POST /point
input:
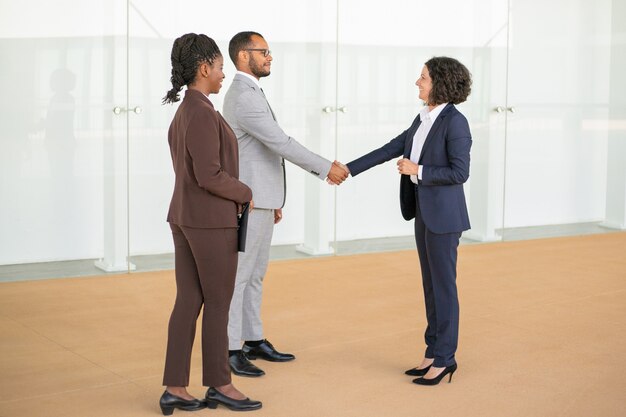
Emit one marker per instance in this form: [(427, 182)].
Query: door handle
[(120, 110)]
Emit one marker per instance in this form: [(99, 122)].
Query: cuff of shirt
[(419, 172)]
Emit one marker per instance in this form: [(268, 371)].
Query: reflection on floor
[(86, 267)]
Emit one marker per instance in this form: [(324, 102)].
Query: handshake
[(337, 174)]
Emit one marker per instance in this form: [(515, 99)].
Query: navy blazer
[(445, 159)]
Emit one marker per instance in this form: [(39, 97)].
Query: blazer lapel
[(408, 144), (434, 129), (268, 103), (256, 88)]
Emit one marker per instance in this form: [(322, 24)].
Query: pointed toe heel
[(450, 380), (449, 370), (417, 372), (211, 404)]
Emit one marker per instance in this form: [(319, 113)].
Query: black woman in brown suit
[(203, 218)]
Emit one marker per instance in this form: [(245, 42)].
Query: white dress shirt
[(427, 120), (245, 74)]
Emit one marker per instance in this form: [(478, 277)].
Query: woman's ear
[(205, 69)]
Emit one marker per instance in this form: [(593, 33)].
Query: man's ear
[(242, 57)]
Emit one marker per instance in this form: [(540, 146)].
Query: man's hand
[(278, 215), (407, 167), (338, 173)]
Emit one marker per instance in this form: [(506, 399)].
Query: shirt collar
[(432, 115), (245, 74)]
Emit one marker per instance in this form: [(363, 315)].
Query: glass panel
[(615, 217), (63, 164), (302, 40), (559, 89), (152, 28), (377, 74)]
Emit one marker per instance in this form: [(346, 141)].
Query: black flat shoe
[(434, 381), (214, 398), (240, 365), (169, 402), (417, 372), (266, 351)]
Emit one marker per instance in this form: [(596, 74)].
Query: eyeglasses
[(265, 52)]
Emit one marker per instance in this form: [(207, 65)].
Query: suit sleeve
[(254, 120), (458, 143), (392, 149), (203, 145)]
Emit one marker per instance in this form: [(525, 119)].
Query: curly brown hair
[(452, 81)]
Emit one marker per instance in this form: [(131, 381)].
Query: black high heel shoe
[(213, 398), (169, 402), (434, 381), (417, 372)]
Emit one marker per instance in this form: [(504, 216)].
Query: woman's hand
[(251, 205), (406, 167)]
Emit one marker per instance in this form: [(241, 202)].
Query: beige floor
[(543, 333)]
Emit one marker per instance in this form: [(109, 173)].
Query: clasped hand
[(337, 174)]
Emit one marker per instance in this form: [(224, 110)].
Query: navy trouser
[(438, 255)]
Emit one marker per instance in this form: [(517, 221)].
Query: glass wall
[(558, 106), (377, 75), (64, 156), (86, 172)]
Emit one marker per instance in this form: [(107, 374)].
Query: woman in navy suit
[(435, 163)]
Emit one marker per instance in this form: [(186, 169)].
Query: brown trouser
[(206, 265)]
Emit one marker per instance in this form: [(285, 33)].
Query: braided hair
[(188, 52)]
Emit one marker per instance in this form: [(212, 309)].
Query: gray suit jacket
[(263, 145)]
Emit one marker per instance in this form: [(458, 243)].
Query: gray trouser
[(244, 322)]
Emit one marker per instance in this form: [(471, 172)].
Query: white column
[(115, 154), (115, 204), (318, 215), (487, 168), (319, 197), (615, 215), (486, 196)]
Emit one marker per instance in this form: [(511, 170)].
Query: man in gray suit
[(263, 147)]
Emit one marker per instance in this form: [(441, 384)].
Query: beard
[(258, 70)]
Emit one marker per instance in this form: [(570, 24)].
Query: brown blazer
[(206, 162)]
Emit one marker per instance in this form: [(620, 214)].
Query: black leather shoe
[(240, 365), (266, 351), (169, 402), (213, 398), (417, 372)]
